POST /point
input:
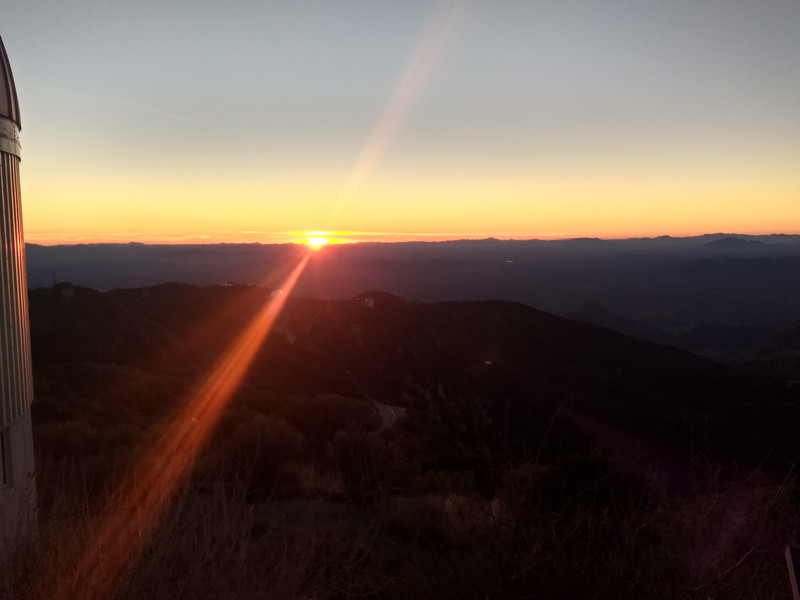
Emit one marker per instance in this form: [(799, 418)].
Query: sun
[(316, 242)]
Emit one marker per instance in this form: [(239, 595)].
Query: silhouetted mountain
[(734, 244), (705, 339), (714, 293), (468, 365), (778, 357), (597, 315)]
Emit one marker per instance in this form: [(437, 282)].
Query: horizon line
[(352, 237)]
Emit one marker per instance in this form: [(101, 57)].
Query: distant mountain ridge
[(732, 291), (735, 243)]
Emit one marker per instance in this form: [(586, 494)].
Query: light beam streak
[(436, 32), (133, 510)]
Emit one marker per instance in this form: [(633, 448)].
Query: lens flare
[(135, 507), (437, 31)]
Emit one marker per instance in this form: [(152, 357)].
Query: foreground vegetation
[(314, 499)]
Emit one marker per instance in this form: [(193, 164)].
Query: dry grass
[(270, 513), (209, 544)]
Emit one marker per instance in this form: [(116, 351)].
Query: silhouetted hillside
[(734, 244), (709, 294), (779, 357), (509, 361), (597, 315)]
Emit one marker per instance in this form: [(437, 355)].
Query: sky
[(183, 121)]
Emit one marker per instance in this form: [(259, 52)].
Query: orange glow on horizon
[(396, 210), (550, 230)]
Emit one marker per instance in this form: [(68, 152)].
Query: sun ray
[(435, 34), (135, 507)]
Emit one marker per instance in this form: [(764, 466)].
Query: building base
[(18, 520)]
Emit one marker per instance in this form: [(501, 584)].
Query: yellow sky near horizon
[(392, 210)]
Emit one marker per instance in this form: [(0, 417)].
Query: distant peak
[(733, 242)]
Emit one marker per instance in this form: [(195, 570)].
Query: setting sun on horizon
[(316, 241)]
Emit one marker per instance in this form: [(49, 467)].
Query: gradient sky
[(186, 121)]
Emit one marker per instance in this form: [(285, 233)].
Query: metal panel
[(16, 389), (18, 494), (16, 381)]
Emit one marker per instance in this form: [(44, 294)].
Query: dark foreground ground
[(383, 448)]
